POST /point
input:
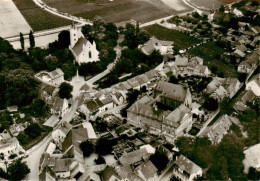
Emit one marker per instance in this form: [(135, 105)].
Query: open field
[(38, 18), (120, 10), (11, 20), (180, 39), (208, 51), (208, 4)]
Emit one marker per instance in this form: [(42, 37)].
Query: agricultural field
[(119, 10), (208, 53), (11, 20), (38, 18), (180, 39), (208, 4)]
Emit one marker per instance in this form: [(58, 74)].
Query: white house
[(186, 170), (55, 78), (252, 158), (60, 134), (164, 47), (10, 146), (60, 107), (254, 85), (83, 50)]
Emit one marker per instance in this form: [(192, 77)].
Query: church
[(83, 50)]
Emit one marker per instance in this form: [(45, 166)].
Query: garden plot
[(11, 20)]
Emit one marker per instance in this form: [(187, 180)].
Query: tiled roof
[(62, 165), (56, 73), (172, 91), (134, 156), (147, 169), (75, 137), (149, 47), (187, 165), (177, 115), (108, 173), (78, 47)]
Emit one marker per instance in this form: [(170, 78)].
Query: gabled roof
[(56, 73), (58, 103), (149, 46), (177, 115), (65, 127), (197, 59), (172, 91), (181, 61), (108, 173), (256, 79), (134, 156), (147, 169), (62, 165), (187, 165), (74, 138), (47, 170), (249, 96), (78, 47)]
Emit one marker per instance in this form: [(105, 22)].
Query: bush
[(12, 156), (87, 148), (100, 160), (210, 104)]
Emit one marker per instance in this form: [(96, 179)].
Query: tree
[(222, 8), (210, 104), (38, 108), (69, 70), (160, 160), (132, 96), (104, 146), (87, 148), (18, 170), (64, 39), (173, 80), (100, 160), (65, 90), (22, 40), (31, 39), (253, 174), (33, 130)]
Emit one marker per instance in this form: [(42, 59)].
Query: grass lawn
[(208, 51), (180, 39), (38, 18)]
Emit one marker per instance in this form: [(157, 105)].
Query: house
[(135, 157), (181, 61), (59, 134), (54, 78), (173, 95), (60, 107), (68, 168), (109, 174), (52, 121), (214, 84), (15, 129), (98, 105), (217, 131), (186, 170), (10, 146), (47, 175), (12, 108), (177, 123), (47, 92), (145, 114), (164, 47), (254, 85), (147, 171), (89, 176), (50, 148), (239, 53), (196, 67), (83, 50), (5, 135), (248, 97), (71, 144), (252, 158), (90, 131), (250, 64)]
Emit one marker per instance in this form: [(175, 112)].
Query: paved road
[(33, 160), (63, 15)]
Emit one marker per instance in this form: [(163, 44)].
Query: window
[(89, 54)]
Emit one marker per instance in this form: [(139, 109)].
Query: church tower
[(73, 35)]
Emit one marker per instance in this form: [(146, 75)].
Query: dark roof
[(78, 47), (75, 137), (43, 176), (108, 173)]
